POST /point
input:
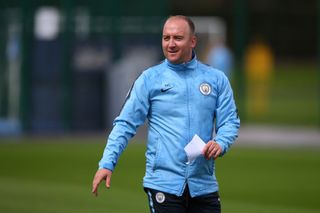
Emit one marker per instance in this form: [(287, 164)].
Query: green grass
[(294, 98), (41, 175), (269, 180)]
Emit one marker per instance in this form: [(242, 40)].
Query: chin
[(174, 60)]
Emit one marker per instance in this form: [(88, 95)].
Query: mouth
[(172, 51)]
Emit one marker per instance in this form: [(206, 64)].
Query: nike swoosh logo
[(165, 89)]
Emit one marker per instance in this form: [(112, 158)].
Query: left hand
[(211, 150)]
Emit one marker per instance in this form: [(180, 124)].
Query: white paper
[(194, 148)]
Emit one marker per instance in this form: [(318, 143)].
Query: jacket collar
[(190, 65)]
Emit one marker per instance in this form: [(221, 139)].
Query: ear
[(193, 41)]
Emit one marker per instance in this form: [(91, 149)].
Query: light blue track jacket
[(179, 101)]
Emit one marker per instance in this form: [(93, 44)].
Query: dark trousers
[(160, 202)]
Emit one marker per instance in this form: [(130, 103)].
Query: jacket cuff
[(108, 166)]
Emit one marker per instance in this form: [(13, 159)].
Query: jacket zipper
[(189, 126)]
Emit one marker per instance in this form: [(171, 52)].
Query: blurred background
[(66, 67)]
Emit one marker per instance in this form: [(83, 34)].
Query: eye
[(178, 38), (166, 38)]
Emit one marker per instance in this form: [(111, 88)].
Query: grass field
[(294, 97), (54, 175)]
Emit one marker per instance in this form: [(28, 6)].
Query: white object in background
[(47, 23), (194, 148)]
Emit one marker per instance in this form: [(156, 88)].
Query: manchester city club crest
[(205, 88), (160, 197)]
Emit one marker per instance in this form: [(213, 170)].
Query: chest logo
[(205, 88), (166, 87)]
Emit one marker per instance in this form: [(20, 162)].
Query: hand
[(212, 150), (101, 174)]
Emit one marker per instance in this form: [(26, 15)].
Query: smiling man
[(178, 40), (180, 97)]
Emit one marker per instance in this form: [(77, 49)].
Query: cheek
[(164, 44), (163, 48)]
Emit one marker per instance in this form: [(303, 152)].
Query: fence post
[(67, 38), (27, 30), (240, 22)]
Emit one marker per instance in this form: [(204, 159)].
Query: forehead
[(176, 26)]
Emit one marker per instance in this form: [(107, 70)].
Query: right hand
[(101, 174)]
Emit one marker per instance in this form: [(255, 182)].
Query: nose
[(172, 43)]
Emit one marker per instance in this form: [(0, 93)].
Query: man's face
[(177, 41)]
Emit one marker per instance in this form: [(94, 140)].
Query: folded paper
[(194, 148)]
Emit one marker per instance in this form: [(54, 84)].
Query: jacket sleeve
[(227, 120), (132, 115)]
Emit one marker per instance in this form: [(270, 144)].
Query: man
[(180, 97)]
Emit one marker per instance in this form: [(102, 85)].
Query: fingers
[(95, 191), (99, 176), (95, 184), (216, 152), (108, 181), (212, 150)]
